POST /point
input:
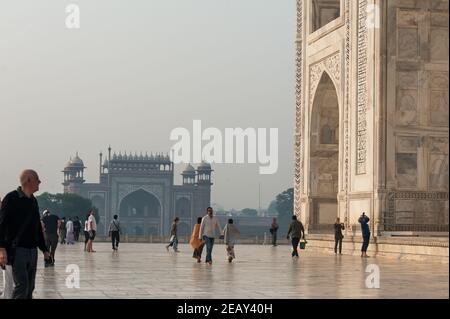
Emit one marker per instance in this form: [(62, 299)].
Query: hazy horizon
[(135, 71)]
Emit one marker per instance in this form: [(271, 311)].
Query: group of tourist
[(59, 230), (204, 234), (205, 231), (68, 231), (338, 236), (296, 232), (22, 232)]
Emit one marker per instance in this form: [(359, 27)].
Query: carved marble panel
[(407, 4), (324, 175), (327, 213), (361, 87), (439, 44), (438, 145), (438, 163), (408, 44), (406, 169), (332, 65), (439, 108), (439, 80), (407, 107), (407, 18), (439, 5), (439, 19), (420, 208), (407, 79), (406, 161), (407, 144), (421, 212), (438, 172)]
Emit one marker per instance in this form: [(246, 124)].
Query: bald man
[(20, 235)]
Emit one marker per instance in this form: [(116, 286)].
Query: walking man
[(296, 232), (76, 228), (173, 235), (208, 227), (364, 221), (51, 224), (62, 230), (338, 236), (114, 232), (20, 235), (273, 231)]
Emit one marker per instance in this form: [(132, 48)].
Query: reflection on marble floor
[(149, 271)]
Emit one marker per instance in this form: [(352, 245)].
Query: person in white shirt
[(207, 233), (69, 231), (92, 229)]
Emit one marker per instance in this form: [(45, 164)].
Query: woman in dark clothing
[(338, 228)]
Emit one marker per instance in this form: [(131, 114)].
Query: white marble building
[(372, 114)]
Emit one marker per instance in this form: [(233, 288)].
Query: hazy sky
[(134, 71)]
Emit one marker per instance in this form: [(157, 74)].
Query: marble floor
[(149, 271)]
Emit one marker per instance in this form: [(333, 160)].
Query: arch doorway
[(140, 204), (324, 155)]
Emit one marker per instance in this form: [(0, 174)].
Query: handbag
[(303, 244)]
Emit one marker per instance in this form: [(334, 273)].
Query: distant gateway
[(140, 189)]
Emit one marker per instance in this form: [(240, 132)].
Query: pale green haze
[(134, 71)]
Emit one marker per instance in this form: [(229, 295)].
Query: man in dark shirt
[(76, 228), (20, 234), (51, 223), (338, 236), (273, 231), (296, 231), (62, 230)]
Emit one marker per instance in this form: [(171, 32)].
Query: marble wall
[(390, 131), (418, 65)]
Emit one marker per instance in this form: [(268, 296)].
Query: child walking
[(231, 234)]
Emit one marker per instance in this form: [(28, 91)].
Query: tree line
[(71, 205)]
